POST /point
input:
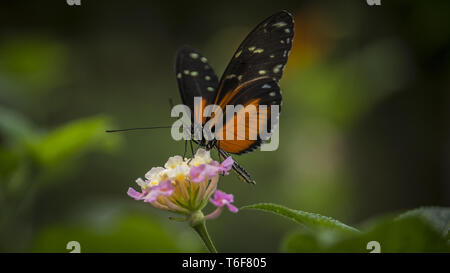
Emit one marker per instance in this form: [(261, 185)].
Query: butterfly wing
[(251, 78), (261, 91), (264, 52), (195, 78)]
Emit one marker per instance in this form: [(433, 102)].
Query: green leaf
[(306, 241), (410, 232), (72, 139), (14, 127), (308, 219), (437, 217)]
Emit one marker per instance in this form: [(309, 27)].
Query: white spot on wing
[(179, 75), (193, 55), (262, 72), (277, 68), (266, 86), (280, 24), (210, 89), (194, 73), (203, 59)]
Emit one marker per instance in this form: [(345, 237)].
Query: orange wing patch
[(241, 132)]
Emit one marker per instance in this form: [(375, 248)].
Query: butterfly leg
[(192, 148), (218, 151), (196, 149), (241, 173), (185, 149)]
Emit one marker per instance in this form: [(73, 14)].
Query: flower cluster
[(185, 185)]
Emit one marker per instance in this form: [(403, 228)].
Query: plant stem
[(201, 230), (197, 222)]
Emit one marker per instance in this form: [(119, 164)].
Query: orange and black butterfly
[(251, 77)]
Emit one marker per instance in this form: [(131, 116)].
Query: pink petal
[(134, 194), (196, 173), (228, 198), (152, 196), (166, 187), (163, 189), (232, 208), (223, 199), (226, 165), (216, 202), (200, 173), (211, 170)]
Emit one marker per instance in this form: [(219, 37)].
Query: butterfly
[(251, 77)]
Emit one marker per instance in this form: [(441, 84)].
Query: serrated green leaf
[(308, 219)]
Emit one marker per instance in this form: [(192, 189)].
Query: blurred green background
[(364, 129)]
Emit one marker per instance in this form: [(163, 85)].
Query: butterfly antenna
[(136, 129)]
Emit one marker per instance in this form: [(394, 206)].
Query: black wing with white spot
[(195, 77), (265, 90), (263, 53)]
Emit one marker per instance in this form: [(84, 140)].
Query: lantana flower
[(185, 186)]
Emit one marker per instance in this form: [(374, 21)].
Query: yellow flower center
[(180, 177)]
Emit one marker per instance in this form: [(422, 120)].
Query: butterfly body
[(250, 79)]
